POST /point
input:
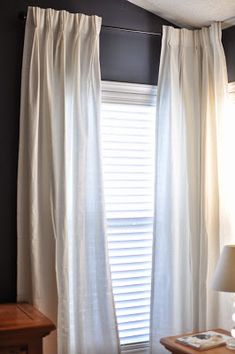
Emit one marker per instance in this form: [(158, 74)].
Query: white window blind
[(128, 145)]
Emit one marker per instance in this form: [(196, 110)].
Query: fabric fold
[(190, 107), (63, 266)]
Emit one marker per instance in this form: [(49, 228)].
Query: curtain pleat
[(62, 249)]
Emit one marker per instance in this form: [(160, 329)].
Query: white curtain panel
[(62, 248), (191, 97)]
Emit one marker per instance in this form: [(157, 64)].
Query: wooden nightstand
[(22, 329), (176, 348)]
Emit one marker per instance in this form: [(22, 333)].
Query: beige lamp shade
[(224, 277)]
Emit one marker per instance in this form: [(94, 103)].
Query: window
[(128, 145)]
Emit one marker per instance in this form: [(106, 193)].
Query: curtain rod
[(22, 17), (131, 30)]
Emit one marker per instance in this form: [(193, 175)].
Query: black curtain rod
[(132, 30), (22, 16)]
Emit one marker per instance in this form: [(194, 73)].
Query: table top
[(170, 344), (23, 317)]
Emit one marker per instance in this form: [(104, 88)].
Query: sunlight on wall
[(227, 198), (227, 172)]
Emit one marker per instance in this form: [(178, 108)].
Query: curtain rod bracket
[(22, 16)]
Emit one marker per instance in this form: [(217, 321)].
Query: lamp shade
[(224, 277)]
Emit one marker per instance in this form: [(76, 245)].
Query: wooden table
[(176, 348), (22, 329)]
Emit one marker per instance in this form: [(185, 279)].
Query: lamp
[(224, 280)]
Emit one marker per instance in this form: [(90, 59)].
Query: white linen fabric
[(191, 97), (62, 252)]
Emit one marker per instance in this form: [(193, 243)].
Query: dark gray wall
[(229, 48), (124, 57)]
